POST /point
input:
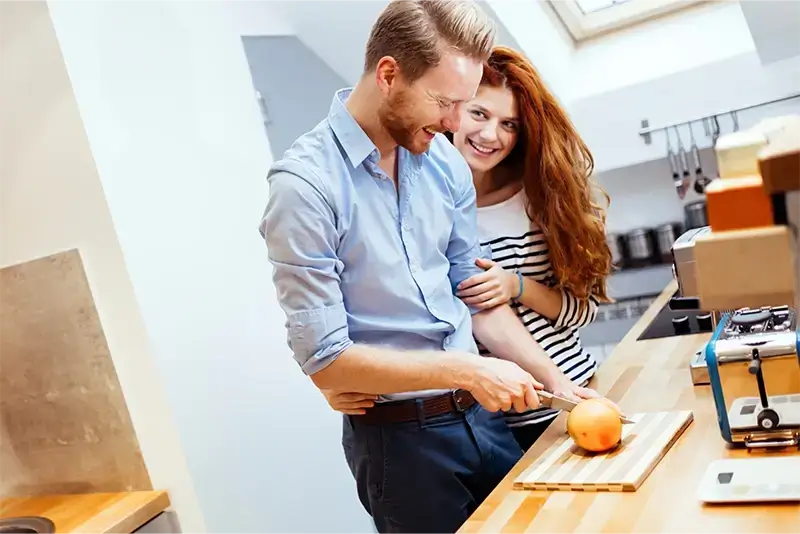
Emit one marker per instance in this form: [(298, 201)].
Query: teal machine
[(753, 361)]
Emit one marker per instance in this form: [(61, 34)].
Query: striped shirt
[(518, 245)]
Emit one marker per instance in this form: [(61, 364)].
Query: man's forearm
[(379, 371), (501, 331)]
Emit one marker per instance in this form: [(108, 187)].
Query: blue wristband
[(521, 287)]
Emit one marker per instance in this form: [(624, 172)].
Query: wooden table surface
[(90, 512), (640, 376)]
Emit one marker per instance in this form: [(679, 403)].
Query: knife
[(560, 403)]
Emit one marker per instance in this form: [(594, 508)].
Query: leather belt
[(404, 411)]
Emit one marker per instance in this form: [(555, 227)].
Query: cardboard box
[(738, 203), (753, 267)]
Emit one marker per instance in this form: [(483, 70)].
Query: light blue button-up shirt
[(357, 260)]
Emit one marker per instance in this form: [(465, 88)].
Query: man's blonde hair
[(416, 33)]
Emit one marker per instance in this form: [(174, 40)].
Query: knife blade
[(560, 403)]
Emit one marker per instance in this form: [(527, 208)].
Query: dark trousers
[(428, 476), (527, 435)]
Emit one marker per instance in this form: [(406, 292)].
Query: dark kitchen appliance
[(666, 235), (678, 322), (640, 247), (681, 315), (695, 214)]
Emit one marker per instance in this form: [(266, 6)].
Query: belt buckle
[(459, 400)]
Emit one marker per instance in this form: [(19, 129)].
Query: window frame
[(582, 26)]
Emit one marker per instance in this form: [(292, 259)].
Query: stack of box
[(750, 256)]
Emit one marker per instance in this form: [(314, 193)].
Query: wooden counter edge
[(505, 488), (91, 512), (129, 514)]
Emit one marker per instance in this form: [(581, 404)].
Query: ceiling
[(775, 28)]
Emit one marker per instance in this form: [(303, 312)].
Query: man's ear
[(386, 73)]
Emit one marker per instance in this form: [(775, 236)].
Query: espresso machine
[(743, 268), (687, 299)]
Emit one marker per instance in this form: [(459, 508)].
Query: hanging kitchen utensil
[(700, 180), (684, 182), (715, 131), (673, 166)]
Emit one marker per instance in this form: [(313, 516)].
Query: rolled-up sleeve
[(575, 312), (299, 229), (464, 247)]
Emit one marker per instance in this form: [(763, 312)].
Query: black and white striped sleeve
[(575, 312)]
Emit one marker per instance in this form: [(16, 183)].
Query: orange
[(594, 425)]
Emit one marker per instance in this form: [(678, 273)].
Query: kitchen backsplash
[(64, 423)]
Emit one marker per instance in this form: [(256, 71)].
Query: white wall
[(775, 27), (51, 200), (258, 17), (610, 122), (336, 30), (658, 48), (167, 100), (542, 38), (692, 65)]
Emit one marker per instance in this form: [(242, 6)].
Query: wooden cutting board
[(565, 466)]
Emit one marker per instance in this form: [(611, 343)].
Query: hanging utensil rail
[(646, 129)]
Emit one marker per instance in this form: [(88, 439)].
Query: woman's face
[(489, 127)]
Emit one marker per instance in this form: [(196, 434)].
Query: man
[(370, 226)]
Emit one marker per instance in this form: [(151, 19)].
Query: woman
[(550, 259), (536, 211)]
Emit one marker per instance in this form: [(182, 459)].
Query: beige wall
[(51, 200)]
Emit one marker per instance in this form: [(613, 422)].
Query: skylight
[(585, 19), (590, 6)]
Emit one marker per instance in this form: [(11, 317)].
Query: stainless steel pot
[(640, 247), (695, 213), (617, 250), (666, 235)]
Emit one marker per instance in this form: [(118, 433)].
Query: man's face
[(414, 113)]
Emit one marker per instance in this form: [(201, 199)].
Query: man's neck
[(363, 104)]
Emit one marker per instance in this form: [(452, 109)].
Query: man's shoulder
[(446, 159), (311, 157)]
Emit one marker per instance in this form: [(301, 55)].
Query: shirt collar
[(357, 145)]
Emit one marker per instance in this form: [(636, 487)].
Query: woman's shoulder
[(510, 213), (508, 223)]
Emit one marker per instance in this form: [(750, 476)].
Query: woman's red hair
[(556, 167)]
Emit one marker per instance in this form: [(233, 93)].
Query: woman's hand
[(349, 403), (489, 289)]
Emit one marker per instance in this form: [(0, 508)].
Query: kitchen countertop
[(90, 512), (641, 376)]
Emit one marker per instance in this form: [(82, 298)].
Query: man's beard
[(394, 114)]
